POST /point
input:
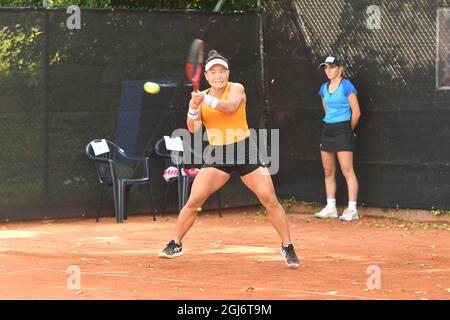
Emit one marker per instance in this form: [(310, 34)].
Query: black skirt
[(242, 156), (337, 137)]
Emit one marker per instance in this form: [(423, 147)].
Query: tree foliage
[(206, 5)]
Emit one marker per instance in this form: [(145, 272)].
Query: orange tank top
[(223, 128)]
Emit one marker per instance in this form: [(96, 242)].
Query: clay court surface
[(236, 257)]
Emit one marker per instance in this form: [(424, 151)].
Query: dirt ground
[(234, 257)]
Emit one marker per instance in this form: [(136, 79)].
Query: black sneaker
[(172, 250), (290, 256)]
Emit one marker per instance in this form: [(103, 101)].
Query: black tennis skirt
[(337, 137), (242, 156)]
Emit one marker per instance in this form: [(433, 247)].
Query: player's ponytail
[(213, 54)]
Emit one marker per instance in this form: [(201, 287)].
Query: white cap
[(216, 61)]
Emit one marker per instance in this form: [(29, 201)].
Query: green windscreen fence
[(60, 88)]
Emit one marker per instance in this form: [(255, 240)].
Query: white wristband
[(192, 111), (211, 101), (192, 114)]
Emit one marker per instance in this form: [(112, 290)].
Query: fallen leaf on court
[(403, 290), (332, 292), (429, 273), (307, 220), (176, 288), (365, 290), (355, 282), (105, 261), (422, 265), (336, 258), (420, 292), (201, 289), (139, 264), (250, 289), (448, 289), (80, 292)]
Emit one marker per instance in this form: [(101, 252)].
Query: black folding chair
[(184, 182)]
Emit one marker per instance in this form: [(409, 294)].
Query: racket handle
[(195, 85)]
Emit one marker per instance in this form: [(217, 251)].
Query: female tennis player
[(342, 114), (222, 109)]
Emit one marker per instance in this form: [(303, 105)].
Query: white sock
[(352, 205), (331, 203)]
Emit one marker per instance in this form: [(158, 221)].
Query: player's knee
[(347, 172), (329, 172), (269, 201), (194, 202)]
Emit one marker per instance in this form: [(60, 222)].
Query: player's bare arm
[(235, 98)]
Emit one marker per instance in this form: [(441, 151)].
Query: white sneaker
[(349, 215), (326, 212)]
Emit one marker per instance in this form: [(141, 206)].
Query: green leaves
[(206, 5)]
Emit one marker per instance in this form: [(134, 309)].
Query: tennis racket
[(194, 62)]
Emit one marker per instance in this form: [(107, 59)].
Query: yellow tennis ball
[(151, 87)]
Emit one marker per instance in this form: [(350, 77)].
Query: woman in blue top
[(342, 114)]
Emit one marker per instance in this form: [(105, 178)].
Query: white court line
[(199, 282)]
